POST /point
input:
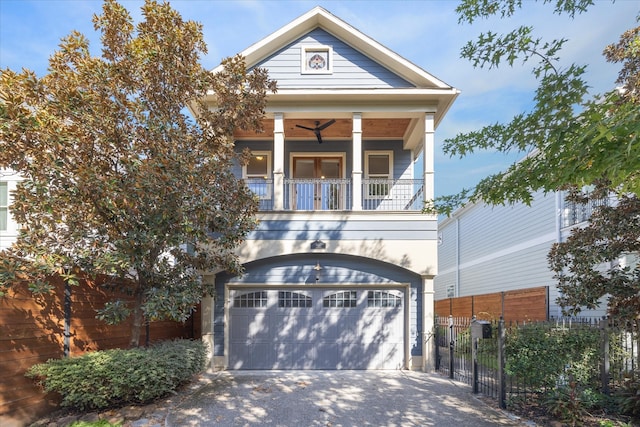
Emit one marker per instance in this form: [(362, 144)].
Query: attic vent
[(316, 60)]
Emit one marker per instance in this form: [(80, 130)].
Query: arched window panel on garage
[(251, 300), (293, 299), (342, 299), (383, 299)]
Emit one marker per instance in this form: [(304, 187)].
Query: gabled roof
[(319, 17)]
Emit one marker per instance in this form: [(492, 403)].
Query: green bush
[(115, 377), (546, 356)]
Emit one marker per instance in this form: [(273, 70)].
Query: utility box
[(480, 329)]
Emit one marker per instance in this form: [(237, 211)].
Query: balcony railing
[(337, 194), (392, 195), (317, 194), (575, 213)]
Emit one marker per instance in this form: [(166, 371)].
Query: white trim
[(319, 154), (267, 175), (306, 49), (367, 174)]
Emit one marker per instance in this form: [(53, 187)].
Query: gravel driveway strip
[(333, 398)]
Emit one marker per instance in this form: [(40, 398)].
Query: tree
[(562, 147), (571, 141), (119, 179), (588, 264)]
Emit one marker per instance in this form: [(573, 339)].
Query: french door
[(317, 183)]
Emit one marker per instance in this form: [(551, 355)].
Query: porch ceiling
[(395, 128)]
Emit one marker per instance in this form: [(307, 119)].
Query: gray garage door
[(316, 329)]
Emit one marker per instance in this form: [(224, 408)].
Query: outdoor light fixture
[(317, 268), (318, 244)]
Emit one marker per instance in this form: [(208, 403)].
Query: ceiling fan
[(318, 128)]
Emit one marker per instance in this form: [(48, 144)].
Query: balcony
[(338, 195), (576, 213)]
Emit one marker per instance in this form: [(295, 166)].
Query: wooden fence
[(35, 329), (515, 306)]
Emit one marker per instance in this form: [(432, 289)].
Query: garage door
[(316, 329)]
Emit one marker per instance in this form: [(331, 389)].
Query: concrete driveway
[(333, 398)]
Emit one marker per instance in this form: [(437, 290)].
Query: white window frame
[(4, 206), (368, 175), (305, 50), (245, 175)]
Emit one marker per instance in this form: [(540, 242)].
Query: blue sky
[(426, 33)]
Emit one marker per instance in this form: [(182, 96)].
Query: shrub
[(115, 377), (547, 356), (629, 397)]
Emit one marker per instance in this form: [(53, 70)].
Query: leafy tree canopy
[(119, 180), (569, 138), (601, 260)]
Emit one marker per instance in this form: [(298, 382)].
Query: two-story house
[(339, 274)]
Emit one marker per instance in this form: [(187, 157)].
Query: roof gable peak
[(318, 17)]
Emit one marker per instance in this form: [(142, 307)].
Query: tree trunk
[(138, 319)]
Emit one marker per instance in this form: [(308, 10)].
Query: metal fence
[(489, 365)]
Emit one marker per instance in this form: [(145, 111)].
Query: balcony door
[(317, 183)]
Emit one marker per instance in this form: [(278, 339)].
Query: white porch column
[(356, 175), (278, 162), (428, 157), (428, 324), (206, 320)]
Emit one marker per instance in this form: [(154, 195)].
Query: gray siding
[(517, 270), (306, 230), (497, 248), (351, 69), (298, 270), (485, 229), (402, 160), (500, 249)]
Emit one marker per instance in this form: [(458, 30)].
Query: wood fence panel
[(526, 304), (515, 306), (487, 306), (443, 307), (32, 331), (462, 307)]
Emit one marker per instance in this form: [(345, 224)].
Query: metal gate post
[(605, 366), (474, 357), (502, 377), (451, 344)]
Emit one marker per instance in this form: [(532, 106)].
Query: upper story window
[(378, 169), (257, 173), (316, 60), (4, 205)]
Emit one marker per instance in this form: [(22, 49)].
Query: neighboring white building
[(485, 249)]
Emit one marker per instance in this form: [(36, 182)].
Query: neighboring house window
[(4, 205), (343, 299), (251, 299), (383, 299), (316, 60), (378, 166), (293, 299), (257, 174), (451, 291)]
